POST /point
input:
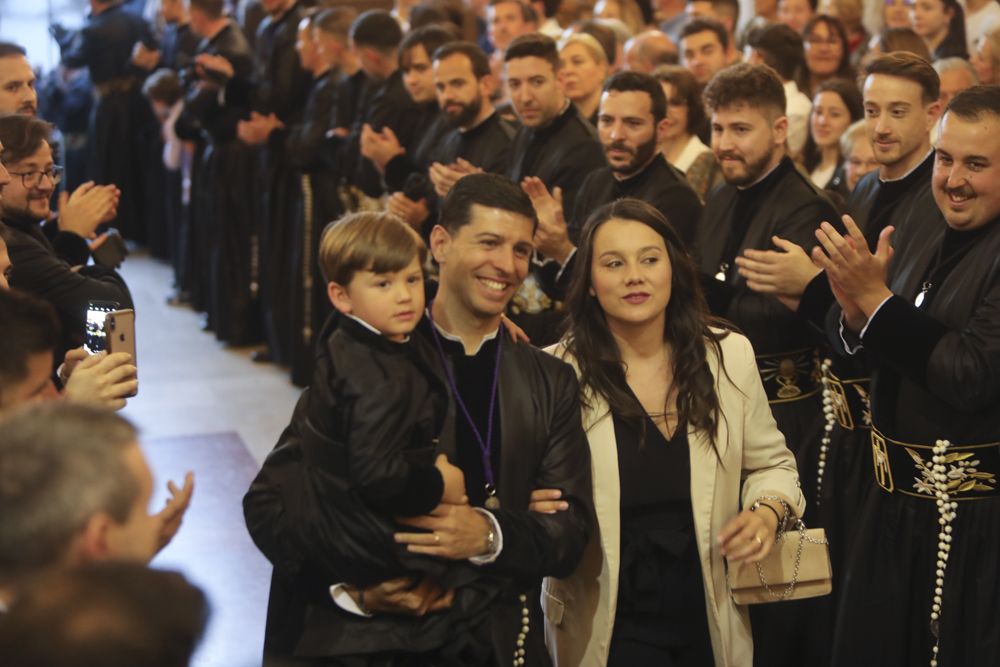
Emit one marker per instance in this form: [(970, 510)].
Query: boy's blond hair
[(367, 241)]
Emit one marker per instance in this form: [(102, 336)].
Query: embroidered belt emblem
[(841, 408), (880, 457)]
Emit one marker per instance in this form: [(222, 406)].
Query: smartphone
[(119, 327), (95, 339)]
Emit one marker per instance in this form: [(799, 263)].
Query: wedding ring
[(437, 539), (759, 541)]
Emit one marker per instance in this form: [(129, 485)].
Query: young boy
[(367, 426)]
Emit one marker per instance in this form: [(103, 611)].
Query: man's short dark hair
[(701, 24), (111, 614), (21, 136), (29, 327), (60, 465), (687, 90), (975, 102), (163, 86), (604, 35), (213, 9), (479, 60), (335, 21), (534, 44), (756, 86), (781, 47), (431, 37), (730, 8), (8, 49), (377, 29), (907, 66), (488, 190), (642, 83), (528, 13)]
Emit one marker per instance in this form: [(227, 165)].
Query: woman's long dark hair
[(849, 94), (687, 329)]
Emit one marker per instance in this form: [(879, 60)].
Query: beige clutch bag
[(798, 567)]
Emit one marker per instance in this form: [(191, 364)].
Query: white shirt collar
[(456, 339), (371, 328)]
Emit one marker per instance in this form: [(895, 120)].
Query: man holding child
[(466, 571)]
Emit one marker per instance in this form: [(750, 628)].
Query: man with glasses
[(53, 269)]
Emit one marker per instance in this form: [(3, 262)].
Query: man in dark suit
[(483, 246)]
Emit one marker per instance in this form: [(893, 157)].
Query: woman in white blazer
[(681, 438)]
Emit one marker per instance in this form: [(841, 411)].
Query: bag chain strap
[(790, 589)]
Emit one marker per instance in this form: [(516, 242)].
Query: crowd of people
[(591, 304)]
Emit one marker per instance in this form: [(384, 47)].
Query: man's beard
[(640, 156), (467, 114), (10, 211), (754, 170)]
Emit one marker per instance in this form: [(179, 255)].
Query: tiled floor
[(189, 383)]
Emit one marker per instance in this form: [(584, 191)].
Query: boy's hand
[(454, 482)]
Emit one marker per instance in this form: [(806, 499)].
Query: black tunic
[(875, 204), (486, 146), (121, 119), (279, 86), (660, 615), (391, 106), (785, 203), (935, 377), (45, 271), (658, 184), (320, 205), (561, 154), (224, 209)]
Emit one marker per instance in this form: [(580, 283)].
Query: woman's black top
[(661, 617)]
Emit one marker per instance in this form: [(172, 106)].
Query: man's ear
[(662, 127), (780, 129), (487, 85), (440, 241), (933, 114), (91, 544), (339, 297)]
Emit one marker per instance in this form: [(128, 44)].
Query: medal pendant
[(492, 503), (922, 295)]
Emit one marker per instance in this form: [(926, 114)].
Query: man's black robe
[(486, 146), (390, 105), (121, 120), (936, 375), (847, 479), (320, 205), (786, 204), (561, 154), (658, 184), (280, 86), (223, 230), (46, 271)]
